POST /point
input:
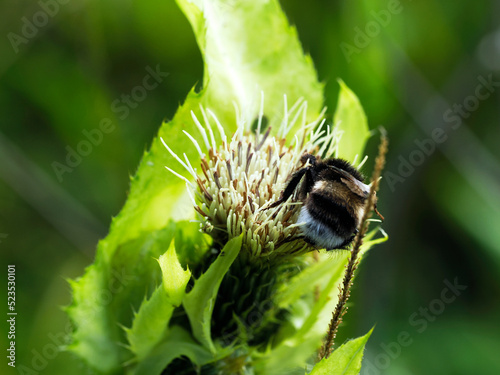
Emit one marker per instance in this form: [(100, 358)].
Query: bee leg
[(290, 188), (295, 238), (308, 183)]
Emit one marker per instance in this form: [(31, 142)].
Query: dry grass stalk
[(345, 287)]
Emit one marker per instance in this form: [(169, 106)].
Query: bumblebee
[(333, 195)]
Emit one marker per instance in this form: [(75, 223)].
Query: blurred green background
[(416, 67)]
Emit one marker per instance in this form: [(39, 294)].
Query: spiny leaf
[(177, 342), (175, 278), (104, 298), (94, 339), (288, 358), (301, 341), (247, 49), (199, 302), (151, 321), (346, 360), (351, 120), (306, 281), (317, 321)]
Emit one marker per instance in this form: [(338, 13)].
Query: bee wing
[(356, 186)]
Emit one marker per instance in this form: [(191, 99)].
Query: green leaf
[(190, 243), (351, 121), (321, 313), (287, 358), (94, 337), (317, 322), (199, 302), (309, 319), (346, 360), (175, 278), (104, 298), (247, 49), (151, 321), (177, 343), (306, 281)]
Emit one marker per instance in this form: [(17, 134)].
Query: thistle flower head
[(242, 176)]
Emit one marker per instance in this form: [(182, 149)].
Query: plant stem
[(345, 287)]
